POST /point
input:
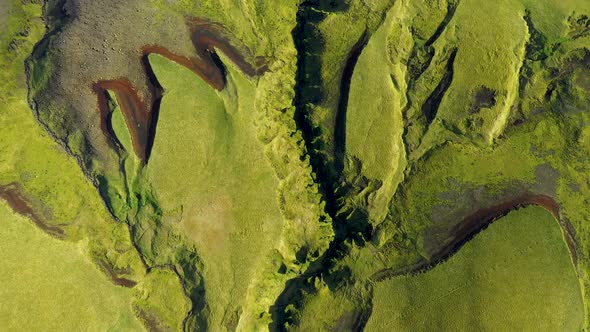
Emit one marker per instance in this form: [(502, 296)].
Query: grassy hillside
[(248, 165), (515, 275), (202, 140), (51, 285)]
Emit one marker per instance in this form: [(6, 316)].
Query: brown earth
[(207, 37)]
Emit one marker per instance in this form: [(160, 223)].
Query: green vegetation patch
[(204, 138), (515, 275), (51, 285)]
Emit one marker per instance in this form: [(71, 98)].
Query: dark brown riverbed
[(13, 195), (114, 275), (207, 37), (141, 115), (134, 109), (478, 221)]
